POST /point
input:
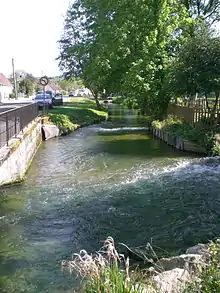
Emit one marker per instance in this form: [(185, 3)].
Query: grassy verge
[(201, 133), (77, 112)]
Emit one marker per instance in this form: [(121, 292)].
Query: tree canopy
[(127, 46)]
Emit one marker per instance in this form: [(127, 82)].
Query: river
[(111, 179)]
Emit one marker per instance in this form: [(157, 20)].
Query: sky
[(29, 32)]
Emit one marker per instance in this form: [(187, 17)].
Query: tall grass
[(107, 271)]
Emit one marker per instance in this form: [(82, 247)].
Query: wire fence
[(13, 121)]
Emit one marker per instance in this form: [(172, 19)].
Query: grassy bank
[(77, 112), (201, 133)]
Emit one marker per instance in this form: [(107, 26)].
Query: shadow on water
[(131, 144)]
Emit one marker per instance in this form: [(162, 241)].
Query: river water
[(110, 179)]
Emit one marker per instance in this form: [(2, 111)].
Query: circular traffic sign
[(44, 80)]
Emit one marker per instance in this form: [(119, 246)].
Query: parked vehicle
[(44, 100), (58, 99)]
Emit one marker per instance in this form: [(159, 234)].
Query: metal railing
[(13, 121)]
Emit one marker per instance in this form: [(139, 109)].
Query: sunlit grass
[(79, 111)]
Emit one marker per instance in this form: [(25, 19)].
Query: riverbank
[(16, 157), (201, 138), (76, 113), (108, 271)]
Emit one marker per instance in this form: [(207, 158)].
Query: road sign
[(44, 80)]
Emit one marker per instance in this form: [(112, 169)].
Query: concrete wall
[(18, 156)]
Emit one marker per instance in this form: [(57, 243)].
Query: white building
[(6, 88), (82, 92)]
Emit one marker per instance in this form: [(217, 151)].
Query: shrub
[(63, 122), (202, 133)]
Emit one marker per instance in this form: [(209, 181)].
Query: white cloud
[(29, 32)]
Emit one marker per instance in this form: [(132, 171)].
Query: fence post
[(6, 127), (15, 124)]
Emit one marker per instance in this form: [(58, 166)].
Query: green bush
[(63, 122), (12, 95), (202, 133)]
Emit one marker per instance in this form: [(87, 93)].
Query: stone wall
[(16, 158)]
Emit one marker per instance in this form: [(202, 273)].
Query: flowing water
[(107, 179)]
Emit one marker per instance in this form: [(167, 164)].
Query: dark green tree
[(26, 86), (197, 69)]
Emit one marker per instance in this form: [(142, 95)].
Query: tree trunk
[(95, 95), (207, 103), (97, 103)]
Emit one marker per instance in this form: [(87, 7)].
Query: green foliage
[(123, 47), (210, 277), (112, 279), (81, 103), (197, 69), (106, 271), (69, 85), (128, 47), (63, 122), (208, 10), (77, 111), (12, 95), (202, 133), (26, 86)]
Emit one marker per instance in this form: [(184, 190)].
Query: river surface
[(110, 179)]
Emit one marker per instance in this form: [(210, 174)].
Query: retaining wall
[(177, 141), (16, 158)]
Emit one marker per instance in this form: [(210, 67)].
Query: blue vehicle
[(44, 100)]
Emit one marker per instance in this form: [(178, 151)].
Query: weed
[(107, 271)]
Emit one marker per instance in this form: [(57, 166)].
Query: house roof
[(52, 87), (4, 80), (55, 87)]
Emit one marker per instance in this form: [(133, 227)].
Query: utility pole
[(15, 79)]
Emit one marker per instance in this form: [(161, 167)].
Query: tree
[(120, 46), (197, 69), (26, 86), (69, 85), (208, 10)]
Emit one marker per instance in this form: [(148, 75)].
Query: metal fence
[(14, 121)]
